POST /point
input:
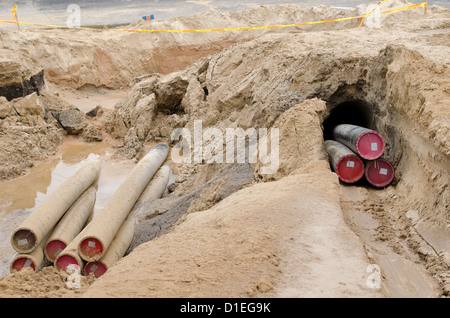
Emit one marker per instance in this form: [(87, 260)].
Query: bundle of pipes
[(73, 224), (122, 241), (107, 237), (51, 219), (352, 140), (69, 259)]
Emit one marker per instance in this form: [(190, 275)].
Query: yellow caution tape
[(424, 4)]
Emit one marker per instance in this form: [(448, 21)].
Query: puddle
[(20, 196)]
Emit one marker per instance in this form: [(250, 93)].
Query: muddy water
[(20, 196)]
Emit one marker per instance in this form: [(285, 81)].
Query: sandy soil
[(230, 230)]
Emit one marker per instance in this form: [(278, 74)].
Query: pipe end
[(19, 263), (53, 249), (96, 268), (350, 168), (90, 249), (67, 264), (370, 145), (379, 173), (23, 240)]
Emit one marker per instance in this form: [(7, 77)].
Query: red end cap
[(96, 268), (91, 247), (54, 248), (350, 168), (379, 173), (67, 261), (23, 262), (370, 145)]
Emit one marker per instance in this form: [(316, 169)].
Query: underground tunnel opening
[(354, 112), (353, 145)]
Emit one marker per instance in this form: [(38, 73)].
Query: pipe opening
[(66, 262), (53, 249), (90, 248), (96, 268), (21, 263), (354, 112), (24, 240)]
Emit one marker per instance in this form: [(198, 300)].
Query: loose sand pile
[(230, 230)]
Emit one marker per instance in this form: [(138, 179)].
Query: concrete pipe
[(347, 165), (116, 250), (31, 232), (154, 190), (69, 259), (107, 223), (70, 225), (379, 173), (365, 142), (35, 259)]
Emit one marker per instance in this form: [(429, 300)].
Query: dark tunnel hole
[(355, 112)]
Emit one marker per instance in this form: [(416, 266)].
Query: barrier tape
[(424, 4)]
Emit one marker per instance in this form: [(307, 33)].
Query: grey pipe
[(33, 230), (365, 142), (347, 165), (107, 223)]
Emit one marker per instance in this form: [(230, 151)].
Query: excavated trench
[(388, 220), (381, 217)]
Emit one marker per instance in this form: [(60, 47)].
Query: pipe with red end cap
[(379, 173), (70, 225), (35, 259), (347, 165), (365, 142)]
